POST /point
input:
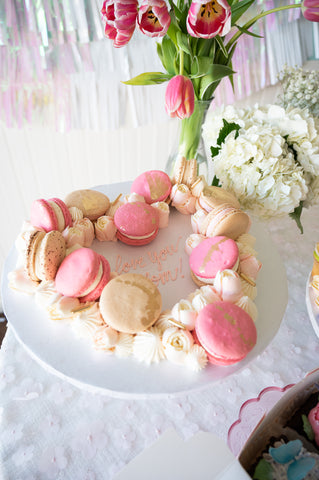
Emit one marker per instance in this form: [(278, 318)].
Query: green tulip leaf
[(149, 78), (217, 72), (172, 30), (222, 46), (204, 46), (247, 32), (169, 53), (182, 42), (239, 9)]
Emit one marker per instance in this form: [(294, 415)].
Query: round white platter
[(312, 307), (55, 346)]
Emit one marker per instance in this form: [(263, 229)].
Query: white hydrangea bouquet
[(300, 88), (267, 156)]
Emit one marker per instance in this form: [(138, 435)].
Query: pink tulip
[(209, 18), (120, 20), (179, 97), (313, 418), (310, 10), (153, 18)]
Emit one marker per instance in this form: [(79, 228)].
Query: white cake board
[(55, 346)]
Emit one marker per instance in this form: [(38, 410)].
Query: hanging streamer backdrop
[(58, 69)]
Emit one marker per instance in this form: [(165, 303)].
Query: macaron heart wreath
[(131, 303)]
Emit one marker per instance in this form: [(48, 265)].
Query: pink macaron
[(83, 274), (154, 186), (226, 332), (52, 214), (137, 223), (211, 256)]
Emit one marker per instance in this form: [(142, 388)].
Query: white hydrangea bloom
[(273, 163)]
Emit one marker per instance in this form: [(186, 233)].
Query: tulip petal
[(153, 18), (209, 18), (120, 20)]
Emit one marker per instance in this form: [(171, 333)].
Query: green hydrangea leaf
[(263, 471), (214, 151), (296, 214), (227, 128), (216, 182), (149, 78), (308, 428)]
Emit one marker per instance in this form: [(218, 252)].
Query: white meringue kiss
[(184, 313), (249, 306), (228, 284), (105, 338), (177, 344), (105, 229)]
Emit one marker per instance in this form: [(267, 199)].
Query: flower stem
[(254, 20), (181, 61)]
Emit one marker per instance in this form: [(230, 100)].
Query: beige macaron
[(93, 204), (225, 220), (44, 254), (211, 197), (185, 171), (130, 303)]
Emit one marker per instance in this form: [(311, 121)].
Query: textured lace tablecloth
[(51, 429)]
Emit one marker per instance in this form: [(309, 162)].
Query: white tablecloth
[(51, 429)]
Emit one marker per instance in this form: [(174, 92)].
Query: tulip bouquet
[(199, 38)]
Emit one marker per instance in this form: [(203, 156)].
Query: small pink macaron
[(83, 274), (226, 332), (212, 255), (52, 214), (154, 186), (137, 223)]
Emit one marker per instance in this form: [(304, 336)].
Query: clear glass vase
[(189, 142)]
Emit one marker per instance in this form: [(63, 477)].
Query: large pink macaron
[(137, 223), (83, 274), (154, 186), (52, 214), (213, 255), (226, 332)]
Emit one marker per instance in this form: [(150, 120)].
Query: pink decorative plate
[(251, 413)]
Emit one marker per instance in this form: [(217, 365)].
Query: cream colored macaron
[(93, 204), (130, 303), (211, 197), (44, 254)]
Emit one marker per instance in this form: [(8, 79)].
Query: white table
[(51, 429)]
